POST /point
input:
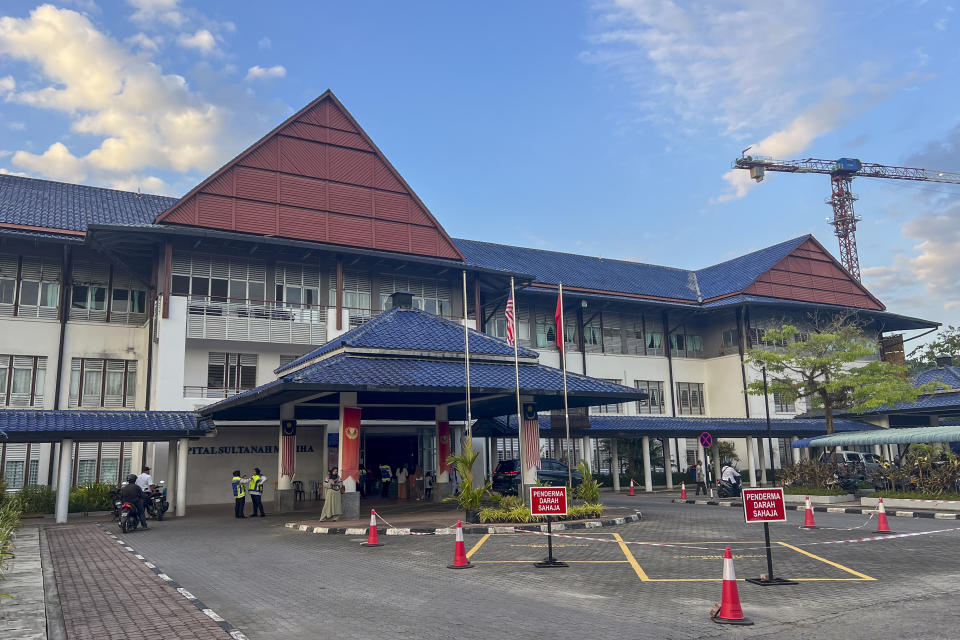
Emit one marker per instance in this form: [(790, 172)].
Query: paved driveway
[(273, 582)]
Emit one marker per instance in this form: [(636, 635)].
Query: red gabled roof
[(316, 177), (810, 274)]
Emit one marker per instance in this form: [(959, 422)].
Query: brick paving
[(107, 594)]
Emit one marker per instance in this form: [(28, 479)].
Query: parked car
[(853, 462), (506, 478)]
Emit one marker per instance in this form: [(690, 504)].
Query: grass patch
[(521, 513), (916, 495), (813, 491)]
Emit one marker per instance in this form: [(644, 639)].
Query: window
[(297, 285), (22, 379), (759, 339), (612, 341), (103, 383), (690, 399), (21, 464), (285, 360), (30, 282), (685, 345), (654, 401), (497, 327), (654, 343), (783, 406), (608, 408), (219, 277), (231, 371), (432, 296), (730, 339), (592, 340)]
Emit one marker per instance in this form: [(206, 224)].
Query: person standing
[(145, 480), (362, 484), (332, 502), (256, 492), (428, 485), (416, 483), (239, 493), (402, 483), (385, 476), (701, 479)]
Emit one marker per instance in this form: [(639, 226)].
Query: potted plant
[(468, 497)]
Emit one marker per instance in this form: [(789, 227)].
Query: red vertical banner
[(558, 320), (443, 447), (350, 443)]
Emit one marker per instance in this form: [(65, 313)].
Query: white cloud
[(16, 125), (7, 172), (265, 43), (7, 85), (151, 12), (143, 117), (265, 73), (145, 42), (201, 40)]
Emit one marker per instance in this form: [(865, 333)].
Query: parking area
[(273, 582)]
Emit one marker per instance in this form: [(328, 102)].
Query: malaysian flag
[(510, 320), (531, 444), (288, 455)]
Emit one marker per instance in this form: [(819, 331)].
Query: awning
[(32, 425), (883, 436)]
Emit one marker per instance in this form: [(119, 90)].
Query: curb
[(235, 633), (413, 531), (857, 510)]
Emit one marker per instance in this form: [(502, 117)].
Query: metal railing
[(256, 320), (216, 393)]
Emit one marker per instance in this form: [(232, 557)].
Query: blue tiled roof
[(413, 330), (685, 427), (587, 272), (736, 275), (23, 425), (948, 375), (59, 205)]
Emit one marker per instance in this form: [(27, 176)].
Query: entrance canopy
[(671, 427), (26, 425), (405, 363), (883, 436)]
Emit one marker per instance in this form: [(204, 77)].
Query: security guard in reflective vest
[(386, 474), (256, 492), (239, 493)]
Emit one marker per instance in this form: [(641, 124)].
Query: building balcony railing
[(213, 393), (256, 321)]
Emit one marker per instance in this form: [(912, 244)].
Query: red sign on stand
[(764, 505), (548, 501)]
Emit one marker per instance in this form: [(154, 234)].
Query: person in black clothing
[(132, 494)]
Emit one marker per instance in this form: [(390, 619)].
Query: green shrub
[(581, 511), (3, 490), (813, 491), (38, 498), (92, 497), (521, 513), (589, 489), (9, 521), (510, 502)]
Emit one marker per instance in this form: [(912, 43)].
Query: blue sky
[(603, 127)]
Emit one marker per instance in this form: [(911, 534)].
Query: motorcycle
[(156, 503), (116, 502), (727, 489), (128, 520)]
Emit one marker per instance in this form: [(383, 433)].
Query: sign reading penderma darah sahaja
[(548, 501), (764, 505)]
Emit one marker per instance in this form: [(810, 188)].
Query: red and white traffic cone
[(460, 552), (729, 611), (808, 522), (631, 488), (373, 540), (683, 490), (882, 525)]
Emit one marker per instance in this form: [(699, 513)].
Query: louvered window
[(654, 402), (690, 400), (608, 408), (30, 285), (128, 301), (109, 462), (110, 384), (90, 282), (231, 371), (87, 463), (433, 296), (297, 285), (215, 278), (612, 342), (15, 465), (22, 379)]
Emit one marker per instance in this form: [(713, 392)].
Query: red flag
[(531, 443), (510, 321), (558, 317), (288, 456)]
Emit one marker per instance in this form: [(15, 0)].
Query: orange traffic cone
[(683, 490), (808, 522), (882, 525), (460, 552), (729, 611), (373, 540), (631, 488)]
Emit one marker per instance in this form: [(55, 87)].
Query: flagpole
[(467, 432), (516, 374), (566, 406)]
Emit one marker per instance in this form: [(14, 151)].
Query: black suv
[(506, 478)]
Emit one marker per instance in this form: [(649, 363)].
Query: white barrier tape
[(650, 544), (407, 531), (860, 526)]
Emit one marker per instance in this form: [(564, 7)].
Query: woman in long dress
[(332, 504)]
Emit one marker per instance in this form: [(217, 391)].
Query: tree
[(946, 343), (822, 367)]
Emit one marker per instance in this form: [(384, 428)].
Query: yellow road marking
[(631, 559), (567, 561), (863, 576), (742, 579), (477, 546)]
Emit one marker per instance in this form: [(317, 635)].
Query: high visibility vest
[(385, 472), (238, 490), (256, 484)]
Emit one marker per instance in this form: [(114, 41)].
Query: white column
[(702, 475), (325, 452), (284, 483), (750, 462), (180, 495), (715, 452), (171, 470), (64, 475), (668, 462), (877, 451), (614, 465), (796, 452), (647, 471)]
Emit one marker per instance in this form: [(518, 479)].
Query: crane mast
[(842, 172)]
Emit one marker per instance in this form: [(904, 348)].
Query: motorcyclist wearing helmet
[(132, 494), (729, 474)]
